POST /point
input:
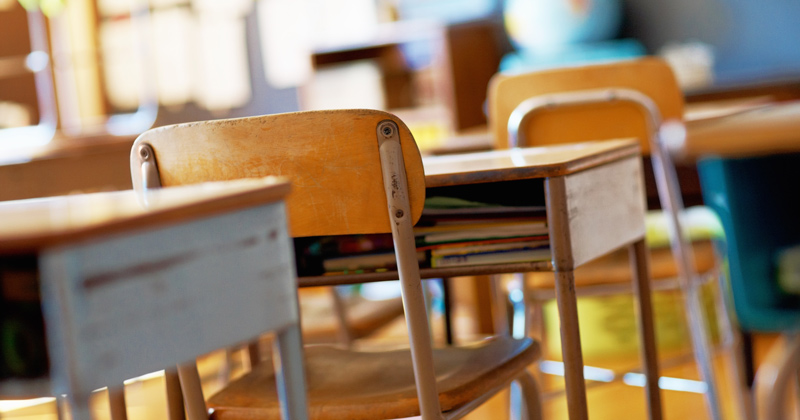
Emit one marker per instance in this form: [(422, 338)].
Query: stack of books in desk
[(462, 233), (451, 233)]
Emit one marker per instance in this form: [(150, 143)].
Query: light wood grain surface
[(650, 76), (524, 163), (331, 158), (29, 225), (378, 384), (764, 130)]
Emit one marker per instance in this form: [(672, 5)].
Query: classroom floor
[(619, 399)]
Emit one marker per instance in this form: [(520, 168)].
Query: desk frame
[(588, 216)]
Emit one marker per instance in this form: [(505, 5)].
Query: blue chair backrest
[(758, 201)]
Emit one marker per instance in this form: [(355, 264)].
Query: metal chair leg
[(194, 403), (734, 342), (175, 410), (62, 407), (571, 345), (345, 334), (448, 311), (290, 372), (647, 333), (116, 402), (396, 187), (775, 375), (531, 396), (254, 353), (671, 201)]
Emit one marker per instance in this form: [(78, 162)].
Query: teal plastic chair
[(758, 204), (756, 200)]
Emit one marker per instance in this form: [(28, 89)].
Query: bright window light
[(668, 383)]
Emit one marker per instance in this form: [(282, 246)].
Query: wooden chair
[(347, 167), (597, 102)]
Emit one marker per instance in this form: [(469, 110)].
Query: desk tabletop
[(523, 163), (30, 225), (764, 130)]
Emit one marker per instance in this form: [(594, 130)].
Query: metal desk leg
[(647, 333), (571, 345), (290, 373), (194, 402), (447, 299), (175, 410)]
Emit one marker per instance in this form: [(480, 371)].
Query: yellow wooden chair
[(597, 102), (352, 172)]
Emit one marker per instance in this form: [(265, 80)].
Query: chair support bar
[(147, 163), (399, 207)]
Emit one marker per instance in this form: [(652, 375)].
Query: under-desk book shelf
[(485, 228)]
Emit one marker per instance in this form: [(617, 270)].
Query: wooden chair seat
[(615, 268), (320, 323), (344, 384)]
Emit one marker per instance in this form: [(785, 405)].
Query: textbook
[(462, 244), (451, 232), (507, 231), (495, 247), (496, 257)]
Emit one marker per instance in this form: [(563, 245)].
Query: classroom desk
[(765, 130), (594, 196), (130, 283), (749, 165)]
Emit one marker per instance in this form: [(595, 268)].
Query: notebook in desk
[(451, 233)]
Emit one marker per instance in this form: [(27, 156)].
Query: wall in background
[(751, 38)]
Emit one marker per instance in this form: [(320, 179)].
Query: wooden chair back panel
[(331, 158), (650, 76)]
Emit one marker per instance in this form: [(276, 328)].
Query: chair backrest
[(651, 77), (753, 199), (331, 158)]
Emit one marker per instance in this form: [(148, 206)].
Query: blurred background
[(92, 74), (80, 79)]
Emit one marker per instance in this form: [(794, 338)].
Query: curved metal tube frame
[(43, 132), (776, 375), (669, 195)]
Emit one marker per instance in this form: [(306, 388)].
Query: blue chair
[(756, 200)]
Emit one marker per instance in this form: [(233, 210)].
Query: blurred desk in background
[(66, 166)]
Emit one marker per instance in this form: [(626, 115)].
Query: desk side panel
[(595, 211), (129, 305)]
